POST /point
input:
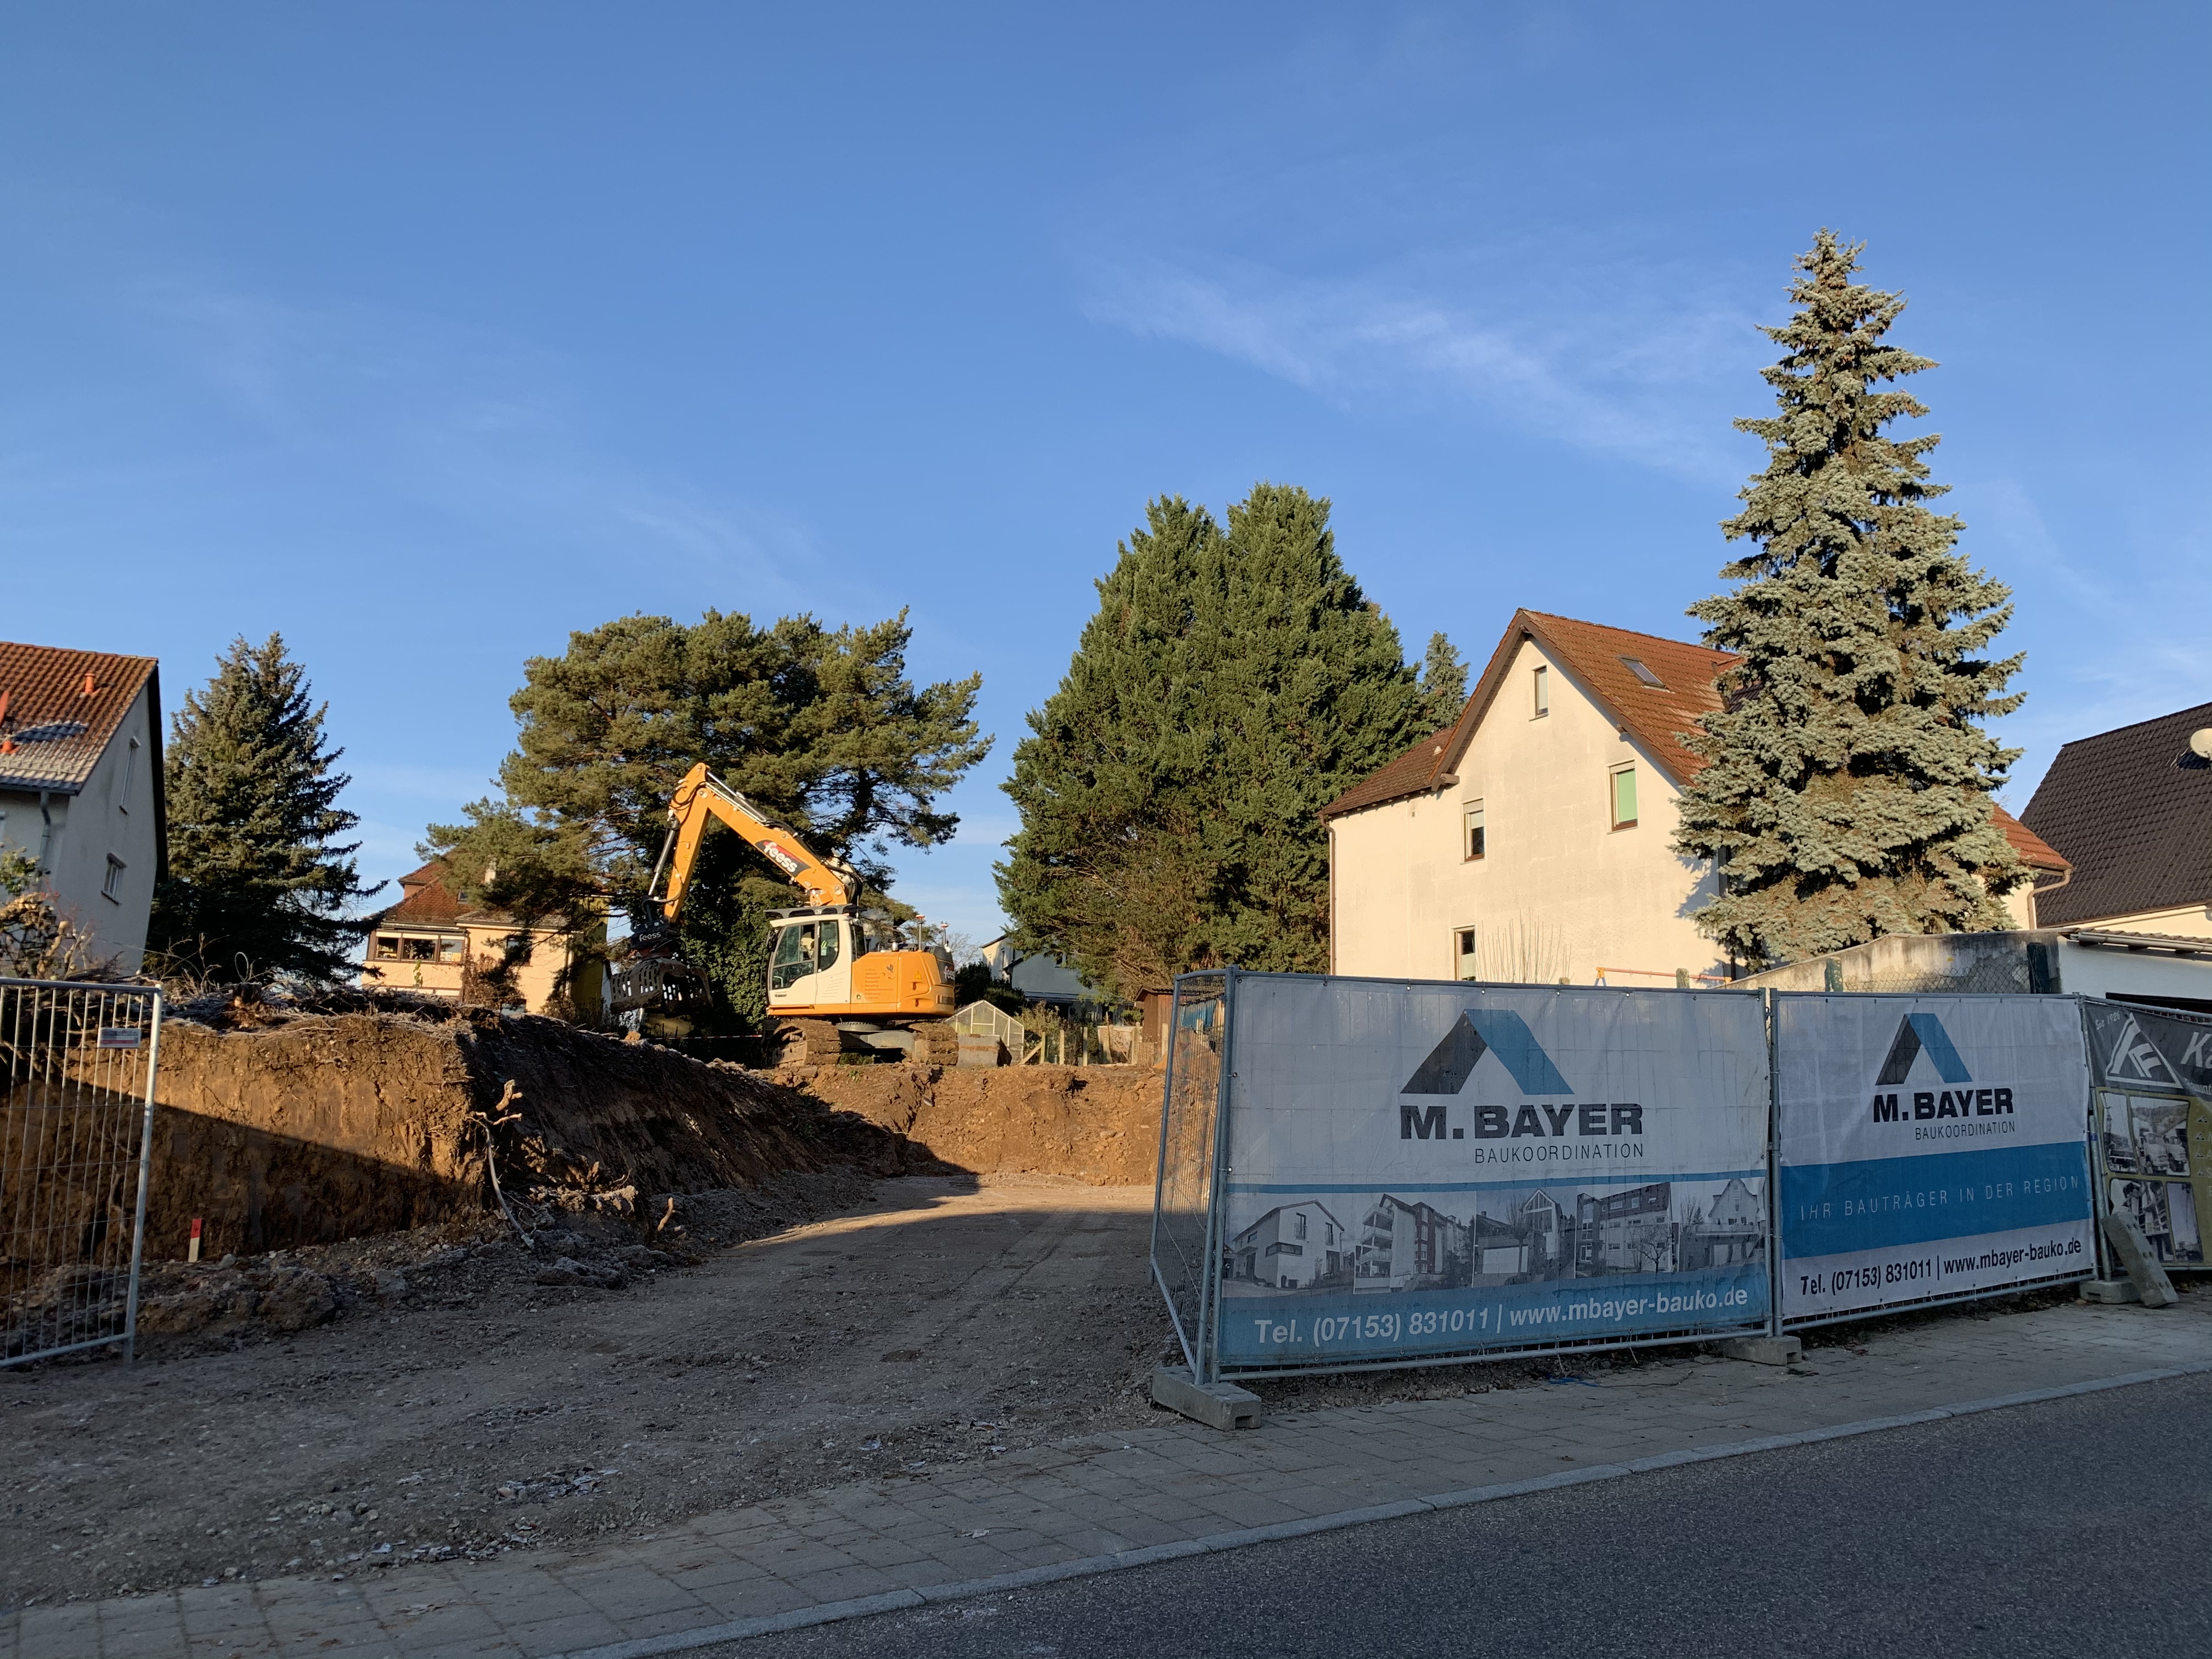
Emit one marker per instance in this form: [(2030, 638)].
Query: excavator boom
[(826, 963), (702, 797)]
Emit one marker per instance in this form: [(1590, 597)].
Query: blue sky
[(427, 333)]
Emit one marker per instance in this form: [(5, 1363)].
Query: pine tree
[(823, 727), (259, 887), (1847, 792), (1228, 686), (1444, 683)]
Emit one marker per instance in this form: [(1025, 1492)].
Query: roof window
[(1635, 667)]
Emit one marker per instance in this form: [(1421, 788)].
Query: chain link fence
[(76, 1118)]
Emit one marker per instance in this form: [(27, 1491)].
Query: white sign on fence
[(1929, 1147), (1436, 1168)]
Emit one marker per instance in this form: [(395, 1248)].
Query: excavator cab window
[(804, 948), (795, 956)]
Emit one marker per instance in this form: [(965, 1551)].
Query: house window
[(449, 950), (1623, 797), (1298, 1226), (1475, 845), (130, 772), (1643, 675), (387, 947), (1463, 943), (422, 950), (1543, 685), (108, 887)]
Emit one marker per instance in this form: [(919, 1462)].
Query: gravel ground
[(453, 1404)]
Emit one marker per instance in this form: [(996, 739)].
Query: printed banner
[(2154, 1123), (1429, 1169), (1930, 1145)]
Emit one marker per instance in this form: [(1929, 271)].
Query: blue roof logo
[(1918, 1033), (1487, 1031)]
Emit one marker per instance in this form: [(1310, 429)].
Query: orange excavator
[(840, 979)]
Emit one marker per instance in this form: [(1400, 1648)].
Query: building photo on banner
[(2154, 1129), (1425, 1171), (1930, 1147)]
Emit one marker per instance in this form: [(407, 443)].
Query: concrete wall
[(114, 814), (1975, 963), (1558, 892)]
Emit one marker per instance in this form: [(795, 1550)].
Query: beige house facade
[(427, 941), (1531, 841), (80, 787)]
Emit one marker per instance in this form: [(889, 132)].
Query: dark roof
[(2133, 820), (59, 709), (1604, 660)]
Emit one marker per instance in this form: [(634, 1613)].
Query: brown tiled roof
[(1656, 716), (1597, 656), (61, 708), (429, 901), (2034, 851), (2131, 810)]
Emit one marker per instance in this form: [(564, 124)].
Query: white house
[(80, 787), (1530, 841), (1291, 1247)]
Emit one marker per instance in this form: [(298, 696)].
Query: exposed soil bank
[(328, 1127), (1098, 1124)]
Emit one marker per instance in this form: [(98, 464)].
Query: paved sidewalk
[(1118, 1500)]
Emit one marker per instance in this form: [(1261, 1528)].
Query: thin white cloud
[(1649, 379)]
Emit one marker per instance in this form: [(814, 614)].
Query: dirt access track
[(937, 1322)]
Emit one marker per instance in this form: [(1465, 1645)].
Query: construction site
[(421, 1282)]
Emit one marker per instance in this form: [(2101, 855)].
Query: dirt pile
[(1096, 1124), (315, 1127)]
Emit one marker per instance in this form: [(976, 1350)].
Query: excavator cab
[(811, 963)]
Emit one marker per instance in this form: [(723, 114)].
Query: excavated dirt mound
[(305, 1129), (1096, 1124)]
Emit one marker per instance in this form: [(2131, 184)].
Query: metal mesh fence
[(1183, 1207), (76, 1075)]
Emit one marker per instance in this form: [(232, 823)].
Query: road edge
[(830, 1612)]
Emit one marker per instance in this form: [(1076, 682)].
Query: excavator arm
[(702, 797)]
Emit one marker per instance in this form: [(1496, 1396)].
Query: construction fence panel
[(1411, 1173), (76, 1091), (2153, 1124), (1183, 1207), (1930, 1149)]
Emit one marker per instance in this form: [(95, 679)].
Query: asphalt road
[(2077, 1527)]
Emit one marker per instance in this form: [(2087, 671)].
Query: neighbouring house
[(2131, 810), (1039, 976), (429, 940), (80, 787), (1531, 841), (1292, 1248)]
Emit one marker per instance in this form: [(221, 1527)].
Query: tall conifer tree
[(260, 886), (1229, 685), (1847, 792), (1444, 683)]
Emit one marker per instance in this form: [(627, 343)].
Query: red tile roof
[(1598, 658), (428, 902), (59, 708)]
